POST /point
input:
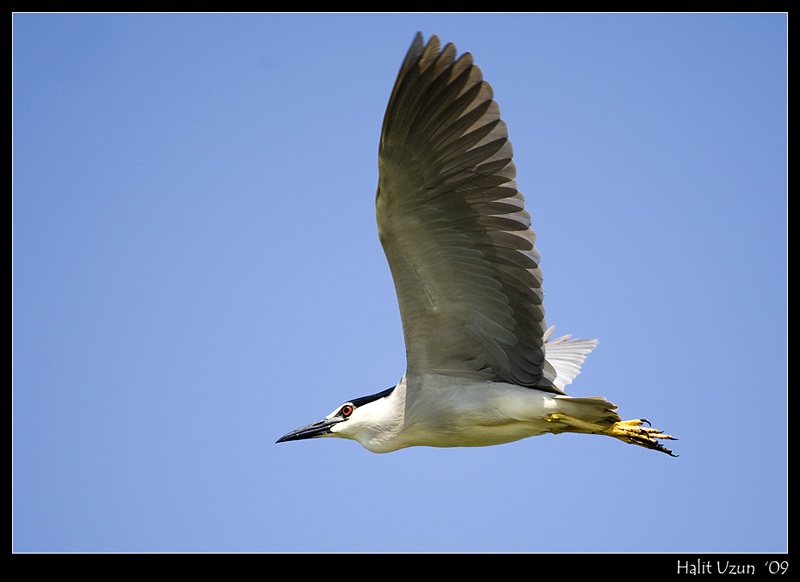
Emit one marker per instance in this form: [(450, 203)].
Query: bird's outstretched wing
[(454, 229)]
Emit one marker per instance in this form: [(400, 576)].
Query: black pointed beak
[(316, 429)]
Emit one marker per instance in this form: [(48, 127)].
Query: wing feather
[(454, 227)]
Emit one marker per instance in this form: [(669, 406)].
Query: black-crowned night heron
[(482, 367)]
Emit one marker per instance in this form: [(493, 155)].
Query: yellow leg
[(629, 431)]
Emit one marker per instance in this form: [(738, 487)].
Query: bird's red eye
[(346, 410)]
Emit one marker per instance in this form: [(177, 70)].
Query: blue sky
[(196, 271)]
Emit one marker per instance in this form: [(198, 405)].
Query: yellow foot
[(629, 431), (633, 432)]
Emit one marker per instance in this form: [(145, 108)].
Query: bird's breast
[(446, 411)]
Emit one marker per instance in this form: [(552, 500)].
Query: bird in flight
[(482, 365)]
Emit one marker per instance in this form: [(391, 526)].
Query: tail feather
[(566, 356), (592, 409)]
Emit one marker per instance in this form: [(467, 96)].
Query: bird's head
[(367, 420)]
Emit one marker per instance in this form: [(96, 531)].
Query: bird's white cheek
[(343, 429)]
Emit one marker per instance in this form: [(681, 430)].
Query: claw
[(631, 431)]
